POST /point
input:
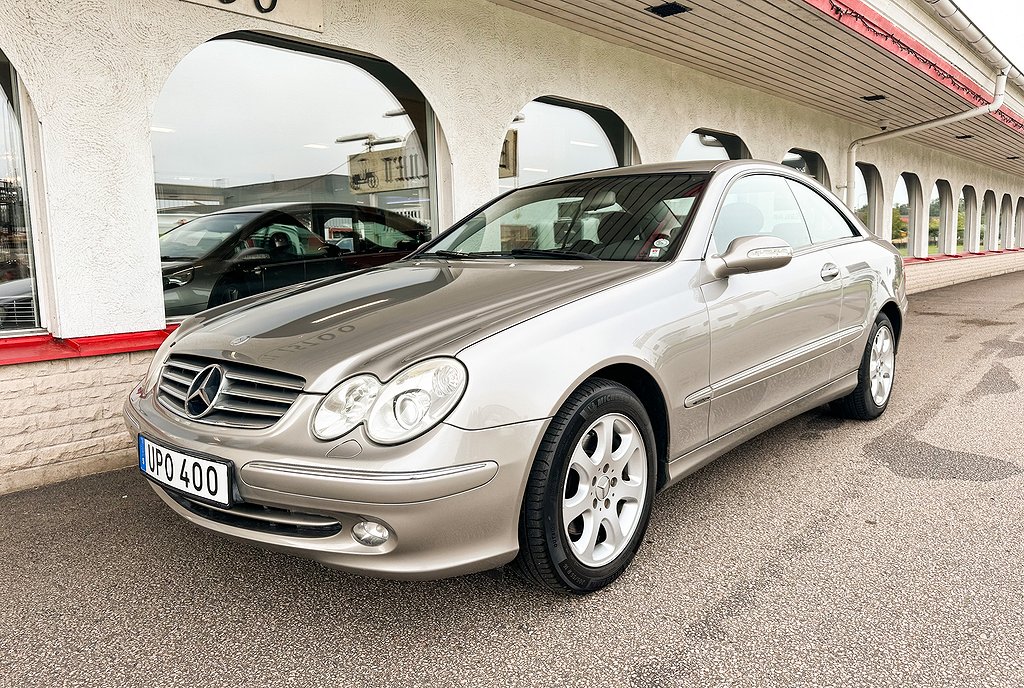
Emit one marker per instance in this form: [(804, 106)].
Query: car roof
[(266, 207), (679, 167)]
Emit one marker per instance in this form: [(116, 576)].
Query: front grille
[(264, 519), (250, 397), (19, 313)]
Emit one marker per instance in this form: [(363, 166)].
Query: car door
[(771, 329), (830, 228)]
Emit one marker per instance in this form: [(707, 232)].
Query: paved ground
[(822, 553)]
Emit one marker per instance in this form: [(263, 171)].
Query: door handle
[(829, 272)]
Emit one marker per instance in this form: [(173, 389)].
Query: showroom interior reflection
[(550, 141), (241, 122), (17, 301)]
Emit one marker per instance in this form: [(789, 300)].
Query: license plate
[(202, 478)]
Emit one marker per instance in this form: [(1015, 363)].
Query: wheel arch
[(892, 311), (639, 381)]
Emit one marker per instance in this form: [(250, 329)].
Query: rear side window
[(824, 222), (760, 205)]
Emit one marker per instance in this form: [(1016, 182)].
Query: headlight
[(416, 400), (345, 407), (413, 402), (179, 278)]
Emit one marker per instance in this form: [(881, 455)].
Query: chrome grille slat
[(250, 409), (174, 392), (255, 379), (251, 397), (180, 379), (268, 395)]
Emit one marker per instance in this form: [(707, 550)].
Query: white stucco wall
[(94, 70)]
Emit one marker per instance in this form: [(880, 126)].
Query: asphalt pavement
[(822, 553)]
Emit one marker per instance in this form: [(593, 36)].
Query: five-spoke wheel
[(588, 499)]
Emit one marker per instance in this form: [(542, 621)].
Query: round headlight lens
[(416, 400), (345, 407)]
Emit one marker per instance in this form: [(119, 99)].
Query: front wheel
[(589, 495), (870, 397)]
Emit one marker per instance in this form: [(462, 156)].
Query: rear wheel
[(875, 377), (588, 498)]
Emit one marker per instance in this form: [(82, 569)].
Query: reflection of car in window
[(238, 252)]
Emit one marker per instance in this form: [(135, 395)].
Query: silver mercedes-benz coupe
[(520, 387)]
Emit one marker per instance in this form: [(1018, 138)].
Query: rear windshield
[(637, 217)]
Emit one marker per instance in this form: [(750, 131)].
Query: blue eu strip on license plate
[(207, 479)]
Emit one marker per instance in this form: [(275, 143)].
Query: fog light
[(370, 533)]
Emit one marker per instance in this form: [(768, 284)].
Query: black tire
[(859, 404), (545, 554)]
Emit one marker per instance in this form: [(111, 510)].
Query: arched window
[(970, 232), (1006, 222), (707, 144), (941, 220), (341, 144), (1019, 224), (808, 162), (553, 137), (868, 194), (988, 238), (18, 302), (908, 216)]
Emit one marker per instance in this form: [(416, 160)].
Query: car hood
[(380, 320), (15, 289)]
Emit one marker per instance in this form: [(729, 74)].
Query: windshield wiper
[(453, 254), (176, 258), (555, 253)]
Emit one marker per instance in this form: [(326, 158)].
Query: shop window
[(340, 144), (553, 138), (18, 302), (706, 144), (808, 162)]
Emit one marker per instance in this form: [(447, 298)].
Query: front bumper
[(450, 499)]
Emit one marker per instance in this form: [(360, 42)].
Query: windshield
[(200, 236), (638, 217)]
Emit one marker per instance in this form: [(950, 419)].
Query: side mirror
[(751, 254)]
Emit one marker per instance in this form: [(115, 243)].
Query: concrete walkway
[(822, 553)]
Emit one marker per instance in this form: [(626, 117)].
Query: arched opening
[(19, 306), (908, 233), (810, 163), (1006, 238), (970, 231), (868, 192), (344, 146), (553, 137), (707, 144), (988, 237), (941, 219), (1019, 224)]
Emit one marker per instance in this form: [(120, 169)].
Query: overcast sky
[(1002, 21)]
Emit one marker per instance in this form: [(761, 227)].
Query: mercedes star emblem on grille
[(204, 390)]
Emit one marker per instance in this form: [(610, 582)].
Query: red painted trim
[(46, 347), (955, 256), (853, 14)]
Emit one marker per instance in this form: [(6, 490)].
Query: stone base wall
[(62, 419), (943, 273)]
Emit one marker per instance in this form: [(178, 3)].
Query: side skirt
[(682, 466)]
